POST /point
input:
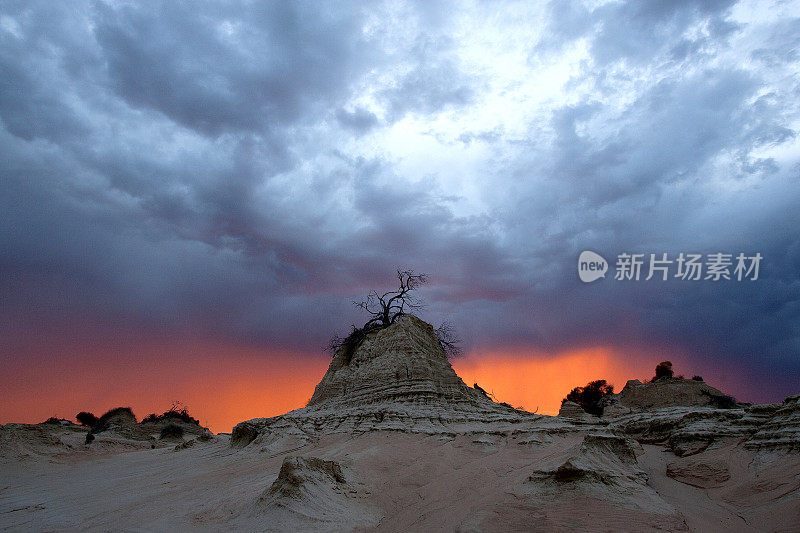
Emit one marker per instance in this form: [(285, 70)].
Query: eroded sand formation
[(394, 440)]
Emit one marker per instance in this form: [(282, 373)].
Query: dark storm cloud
[(639, 182), (128, 217), (237, 69), (223, 169)]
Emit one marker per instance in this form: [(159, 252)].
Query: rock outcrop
[(575, 412), (397, 379), (781, 430), (403, 363), (394, 440), (667, 392), (690, 430), (603, 468), (619, 470), (699, 473), (19, 442)]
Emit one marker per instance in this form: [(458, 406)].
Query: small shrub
[(182, 415), (175, 413), (663, 370), (592, 397), (171, 431), (86, 419), (89, 438), (350, 343), (697, 378), (720, 401), (53, 420), (103, 422)]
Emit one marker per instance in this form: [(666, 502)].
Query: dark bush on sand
[(664, 370), (592, 396), (176, 412), (86, 419), (104, 421), (171, 431)]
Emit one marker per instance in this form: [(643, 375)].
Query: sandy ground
[(395, 482)]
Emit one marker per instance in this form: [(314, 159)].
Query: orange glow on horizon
[(541, 382), (222, 386)]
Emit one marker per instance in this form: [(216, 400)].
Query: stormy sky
[(239, 172)]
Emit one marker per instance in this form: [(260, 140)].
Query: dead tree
[(386, 308), (448, 340)]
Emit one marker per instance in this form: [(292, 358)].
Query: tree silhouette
[(592, 396), (385, 308), (448, 340)]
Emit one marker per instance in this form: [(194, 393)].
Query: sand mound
[(605, 459), (120, 425), (25, 441), (315, 493), (604, 468), (394, 440)]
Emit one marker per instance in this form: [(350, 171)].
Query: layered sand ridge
[(398, 378), (403, 363)]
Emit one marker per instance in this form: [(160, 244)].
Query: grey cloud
[(428, 89), (237, 69), (359, 120), (174, 169), (637, 31), (433, 83), (30, 61)]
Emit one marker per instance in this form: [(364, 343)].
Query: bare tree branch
[(383, 309), (448, 340), (387, 307)]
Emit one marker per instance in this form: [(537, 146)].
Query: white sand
[(406, 482)]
